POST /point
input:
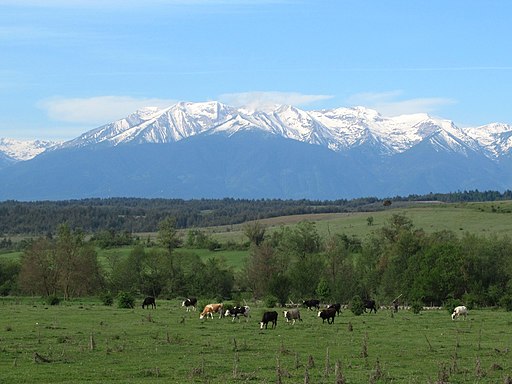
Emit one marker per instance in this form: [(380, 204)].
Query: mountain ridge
[(338, 129), (211, 150)]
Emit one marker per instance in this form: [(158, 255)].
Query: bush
[(450, 304), (107, 299), (270, 301), (125, 300), (506, 302), (471, 300), (53, 300), (357, 305), (416, 307)]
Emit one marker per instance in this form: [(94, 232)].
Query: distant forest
[(143, 215)]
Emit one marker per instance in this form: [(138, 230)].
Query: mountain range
[(212, 150)]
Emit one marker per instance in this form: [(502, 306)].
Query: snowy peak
[(495, 139), (20, 150), (338, 129), (153, 125)]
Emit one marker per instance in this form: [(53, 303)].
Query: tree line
[(143, 215), (400, 260), (292, 263)]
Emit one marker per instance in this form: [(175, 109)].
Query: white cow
[(461, 310)]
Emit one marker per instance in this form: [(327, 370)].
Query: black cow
[(336, 306), (327, 314), (370, 304), (189, 303), (237, 311), (313, 303), (149, 301), (269, 317)]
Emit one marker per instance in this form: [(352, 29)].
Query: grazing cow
[(370, 304), (336, 306), (190, 303), (310, 304), (461, 310), (149, 301), (327, 314), (238, 311), (292, 314), (269, 317), (210, 309)]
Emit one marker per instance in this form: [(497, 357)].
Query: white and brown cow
[(210, 309)]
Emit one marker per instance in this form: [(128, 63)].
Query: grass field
[(86, 342), (476, 218)]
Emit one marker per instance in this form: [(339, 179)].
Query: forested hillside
[(143, 215)]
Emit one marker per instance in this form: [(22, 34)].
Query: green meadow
[(87, 342), (483, 219)]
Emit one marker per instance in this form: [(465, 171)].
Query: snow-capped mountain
[(153, 125), (19, 150), (212, 150), (494, 139), (338, 129)]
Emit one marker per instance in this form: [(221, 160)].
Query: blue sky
[(68, 66)]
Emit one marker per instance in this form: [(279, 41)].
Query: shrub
[(506, 302), (323, 290), (450, 304), (270, 301), (107, 298), (416, 307), (53, 300), (125, 300), (357, 305)]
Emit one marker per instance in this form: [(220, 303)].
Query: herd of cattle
[(293, 314)]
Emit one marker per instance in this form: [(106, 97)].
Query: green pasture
[(10, 256), (86, 342), (235, 259), (489, 218)]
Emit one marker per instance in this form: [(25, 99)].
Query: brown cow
[(210, 309)]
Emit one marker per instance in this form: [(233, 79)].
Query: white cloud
[(268, 100), (390, 104), (97, 110)]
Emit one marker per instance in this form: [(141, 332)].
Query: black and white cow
[(269, 317), (336, 306), (327, 314), (312, 303), (149, 301), (370, 304), (190, 303), (292, 314), (237, 312)]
